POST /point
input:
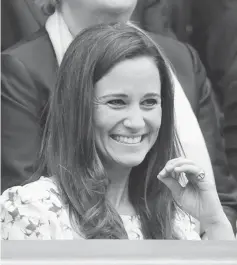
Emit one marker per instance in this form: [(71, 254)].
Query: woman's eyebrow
[(120, 95), (152, 95)]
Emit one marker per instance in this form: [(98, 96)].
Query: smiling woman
[(111, 149), (107, 96)]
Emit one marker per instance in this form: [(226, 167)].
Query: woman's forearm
[(220, 230)]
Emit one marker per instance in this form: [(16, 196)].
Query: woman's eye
[(116, 102), (150, 102)]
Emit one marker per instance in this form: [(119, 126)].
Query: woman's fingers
[(172, 184), (196, 175), (173, 163), (191, 171)]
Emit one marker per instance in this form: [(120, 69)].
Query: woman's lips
[(128, 139)]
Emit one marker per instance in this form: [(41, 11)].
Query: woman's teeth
[(127, 140)]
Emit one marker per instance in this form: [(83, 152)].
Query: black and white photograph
[(118, 121)]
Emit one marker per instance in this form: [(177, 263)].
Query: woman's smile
[(130, 140)]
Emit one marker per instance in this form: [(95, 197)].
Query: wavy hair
[(69, 151)]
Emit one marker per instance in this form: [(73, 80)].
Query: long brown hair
[(69, 151)]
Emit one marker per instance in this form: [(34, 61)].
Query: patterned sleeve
[(30, 212), (185, 227)]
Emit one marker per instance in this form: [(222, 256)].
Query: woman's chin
[(129, 163)]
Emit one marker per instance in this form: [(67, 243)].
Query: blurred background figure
[(167, 17), (19, 20), (215, 37)]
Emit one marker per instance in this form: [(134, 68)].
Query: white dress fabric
[(36, 212)]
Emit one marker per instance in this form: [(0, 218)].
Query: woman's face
[(127, 112)]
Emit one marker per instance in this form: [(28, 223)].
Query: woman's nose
[(135, 120)]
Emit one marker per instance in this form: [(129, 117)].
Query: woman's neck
[(118, 189)]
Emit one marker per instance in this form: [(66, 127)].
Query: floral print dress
[(35, 211)]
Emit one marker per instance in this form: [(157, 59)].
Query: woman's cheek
[(154, 118), (105, 116)]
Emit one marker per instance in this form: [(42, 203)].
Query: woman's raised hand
[(198, 196)]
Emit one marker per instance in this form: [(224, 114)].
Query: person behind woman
[(112, 152)]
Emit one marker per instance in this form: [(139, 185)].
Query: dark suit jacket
[(221, 54), (19, 19), (28, 76)]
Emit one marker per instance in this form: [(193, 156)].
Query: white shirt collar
[(59, 34)]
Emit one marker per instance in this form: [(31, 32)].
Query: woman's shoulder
[(34, 211), (40, 190)]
